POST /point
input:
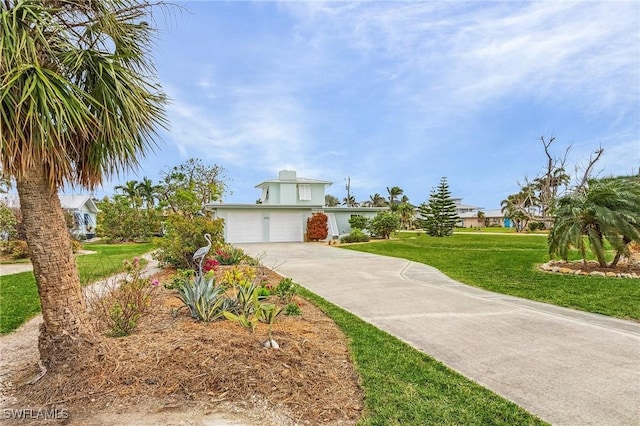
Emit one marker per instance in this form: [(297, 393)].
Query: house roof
[(77, 202), (297, 180), (290, 176)]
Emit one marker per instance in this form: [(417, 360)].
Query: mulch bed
[(172, 360)]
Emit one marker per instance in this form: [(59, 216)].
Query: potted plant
[(90, 232)]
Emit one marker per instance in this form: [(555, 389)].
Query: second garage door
[(286, 227)]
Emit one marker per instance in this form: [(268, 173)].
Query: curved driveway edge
[(565, 366)]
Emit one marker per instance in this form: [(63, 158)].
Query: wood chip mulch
[(172, 360)]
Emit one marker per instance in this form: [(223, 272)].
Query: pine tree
[(439, 215)]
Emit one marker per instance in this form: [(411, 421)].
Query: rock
[(270, 343), (555, 269), (566, 270), (597, 274), (611, 274)]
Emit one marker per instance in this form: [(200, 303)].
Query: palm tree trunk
[(66, 321), (626, 240)]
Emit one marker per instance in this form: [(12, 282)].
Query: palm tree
[(394, 192), (147, 191), (78, 104), (376, 200), (131, 190), (407, 214), (516, 208), (350, 201), (331, 200), (604, 210)]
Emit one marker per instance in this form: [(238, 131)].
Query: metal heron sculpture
[(201, 253)]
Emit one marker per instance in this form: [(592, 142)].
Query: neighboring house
[(491, 218), (85, 213), (468, 214), (82, 207), (281, 214)]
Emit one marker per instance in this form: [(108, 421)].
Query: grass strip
[(508, 264), (403, 386), (19, 299)]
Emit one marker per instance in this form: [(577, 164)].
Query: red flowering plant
[(210, 265)]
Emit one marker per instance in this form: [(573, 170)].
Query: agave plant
[(205, 299)]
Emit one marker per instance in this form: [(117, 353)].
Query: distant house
[(85, 213), (82, 207), (491, 218), (281, 214)]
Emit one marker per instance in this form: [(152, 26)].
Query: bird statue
[(201, 253)]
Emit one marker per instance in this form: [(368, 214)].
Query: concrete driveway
[(565, 366)]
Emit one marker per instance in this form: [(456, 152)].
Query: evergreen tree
[(439, 215)]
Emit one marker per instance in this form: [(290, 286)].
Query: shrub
[(317, 227), (19, 249), (356, 236), (384, 224), (120, 221), (292, 309), (120, 306), (183, 236), (534, 226), (226, 254), (75, 245), (286, 289), (181, 278), (358, 222), (8, 223)]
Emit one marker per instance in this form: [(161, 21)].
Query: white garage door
[(244, 227), (285, 227)]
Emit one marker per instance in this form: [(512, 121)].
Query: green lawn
[(19, 295), (404, 386), (508, 264)]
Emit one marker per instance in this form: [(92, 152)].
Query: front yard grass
[(507, 264), (19, 295), (404, 386)]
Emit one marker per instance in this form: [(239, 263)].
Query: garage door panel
[(286, 227), (244, 227)]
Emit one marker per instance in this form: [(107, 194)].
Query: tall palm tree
[(376, 200), (605, 210), (394, 192), (131, 190), (77, 103), (147, 191), (350, 201)]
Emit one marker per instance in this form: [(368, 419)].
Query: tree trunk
[(66, 323), (626, 240)]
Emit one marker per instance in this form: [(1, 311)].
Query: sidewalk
[(565, 366)]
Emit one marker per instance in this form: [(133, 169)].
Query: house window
[(304, 192)]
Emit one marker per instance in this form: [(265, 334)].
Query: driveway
[(565, 366)]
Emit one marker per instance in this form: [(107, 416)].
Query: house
[(82, 207), (492, 218), (85, 213), (281, 214)]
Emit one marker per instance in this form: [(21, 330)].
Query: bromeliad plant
[(227, 254)]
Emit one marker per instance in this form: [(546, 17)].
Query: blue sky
[(397, 93)]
